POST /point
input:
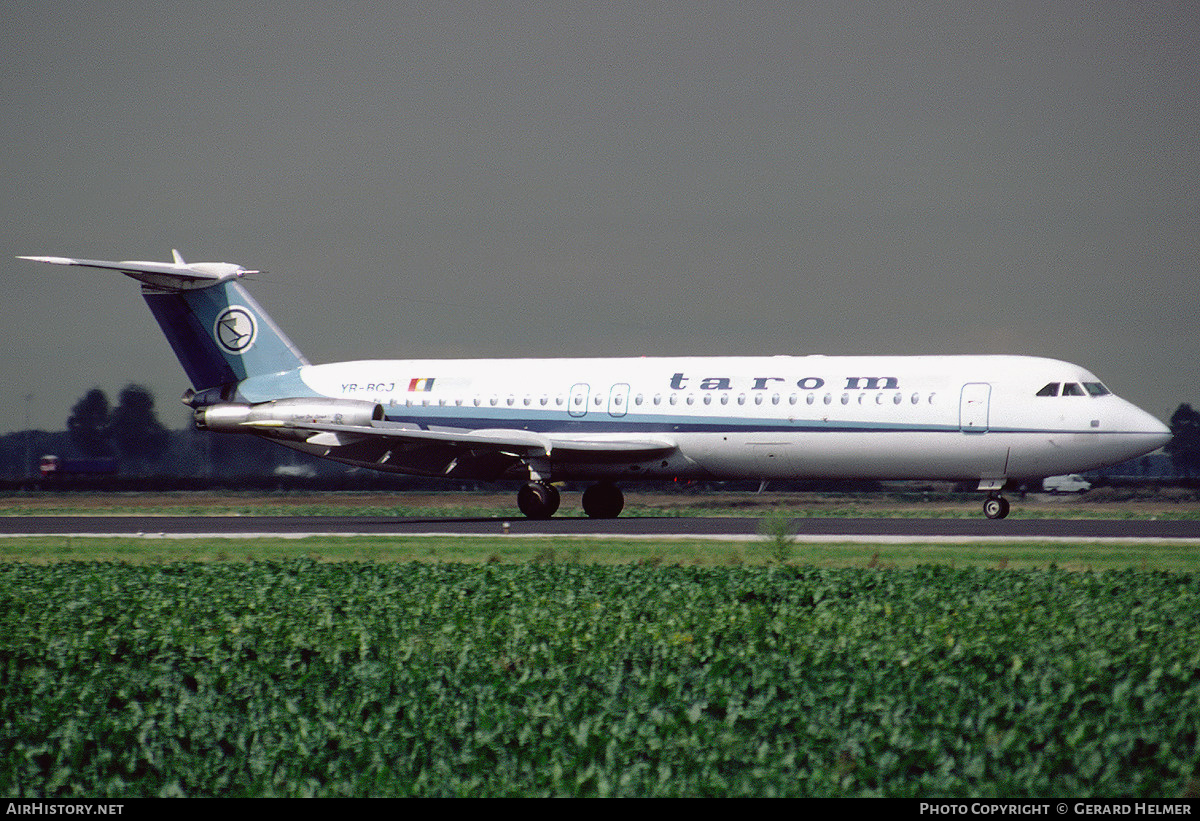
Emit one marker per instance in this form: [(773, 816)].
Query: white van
[(1071, 483)]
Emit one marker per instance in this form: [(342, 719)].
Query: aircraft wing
[(498, 446), (574, 448)]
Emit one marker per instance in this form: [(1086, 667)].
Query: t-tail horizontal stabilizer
[(169, 276), (220, 334)]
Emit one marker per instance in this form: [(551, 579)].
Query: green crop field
[(1170, 555), (302, 677)]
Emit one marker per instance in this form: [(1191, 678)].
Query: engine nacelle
[(276, 417)]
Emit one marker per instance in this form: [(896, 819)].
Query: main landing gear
[(539, 500), (603, 501), (995, 507)]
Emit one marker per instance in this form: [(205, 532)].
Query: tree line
[(129, 431), (1184, 447), (132, 429), (129, 434)]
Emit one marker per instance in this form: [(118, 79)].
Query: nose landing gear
[(995, 507)]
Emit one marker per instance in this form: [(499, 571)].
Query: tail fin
[(218, 331)]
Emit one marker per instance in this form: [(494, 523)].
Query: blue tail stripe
[(221, 335), (192, 343)]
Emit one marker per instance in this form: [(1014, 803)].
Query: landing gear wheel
[(603, 501), (538, 500), (996, 507)]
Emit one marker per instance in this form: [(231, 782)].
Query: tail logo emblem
[(235, 330)]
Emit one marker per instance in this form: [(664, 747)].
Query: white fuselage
[(990, 419), (879, 417)]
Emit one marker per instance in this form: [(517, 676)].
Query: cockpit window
[(1074, 389)]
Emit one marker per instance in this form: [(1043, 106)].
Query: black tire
[(996, 507), (603, 501), (537, 500)]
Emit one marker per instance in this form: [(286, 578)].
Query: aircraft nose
[(1153, 433), (1161, 433), (1137, 433)]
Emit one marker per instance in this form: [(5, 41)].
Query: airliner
[(992, 420)]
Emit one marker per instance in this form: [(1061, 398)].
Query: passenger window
[(1071, 389), (1049, 390)]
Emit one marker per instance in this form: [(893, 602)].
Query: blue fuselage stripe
[(674, 424)]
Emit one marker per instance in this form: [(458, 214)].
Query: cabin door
[(973, 407)]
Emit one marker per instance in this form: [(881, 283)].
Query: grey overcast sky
[(566, 179)]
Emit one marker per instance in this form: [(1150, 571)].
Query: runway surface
[(805, 529)]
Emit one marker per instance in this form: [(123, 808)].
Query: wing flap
[(600, 449)]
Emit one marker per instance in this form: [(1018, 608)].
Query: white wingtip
[(51, 260), (178, 257)]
